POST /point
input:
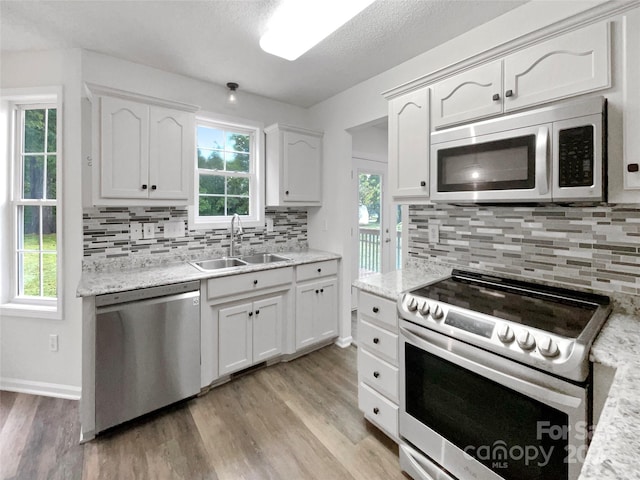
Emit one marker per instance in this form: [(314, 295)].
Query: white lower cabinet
[(316, 312), (249, 333), (378, 394)]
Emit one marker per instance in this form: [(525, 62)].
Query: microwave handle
[(542, 160)]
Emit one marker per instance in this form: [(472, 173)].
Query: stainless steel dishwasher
[(147, 350)]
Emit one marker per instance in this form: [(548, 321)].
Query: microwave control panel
[(576, 156)]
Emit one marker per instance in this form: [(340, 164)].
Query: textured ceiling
[(217, 40)]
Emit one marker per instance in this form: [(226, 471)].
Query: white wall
[(25, 360), (364, 103)]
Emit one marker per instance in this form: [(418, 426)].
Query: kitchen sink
[(264, 258), (218, 264)]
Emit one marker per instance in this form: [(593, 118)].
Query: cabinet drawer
[(378, 410), (311, 271), (378, 341), (378, 374), (248, 282), (381, 309)]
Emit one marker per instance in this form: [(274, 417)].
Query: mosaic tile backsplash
[(106, 233), (586, 247)]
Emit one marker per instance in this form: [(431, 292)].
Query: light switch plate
[(269, 224), (149, 230), (135, 230)]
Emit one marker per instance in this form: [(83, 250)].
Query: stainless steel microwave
[(551, 154)]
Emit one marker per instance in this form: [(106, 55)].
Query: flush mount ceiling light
[(232, 99), (297, 25)]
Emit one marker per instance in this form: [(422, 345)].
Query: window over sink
[(228, 173)]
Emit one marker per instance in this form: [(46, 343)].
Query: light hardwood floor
[(296, 420)]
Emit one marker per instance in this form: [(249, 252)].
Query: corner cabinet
[(316, 303), (142, 149), (294, 166), (409, 146)]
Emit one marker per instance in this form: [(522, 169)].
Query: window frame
[(255, 175), (16, 101)]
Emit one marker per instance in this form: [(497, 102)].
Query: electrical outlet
[(269, 224), (149, 230), (174, 229), (135, 230), (434, 234), (53, 342)]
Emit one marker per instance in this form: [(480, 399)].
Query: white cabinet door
[(124, 138), (171, 162), (306, 302), (301, 163), (326, 321), (631, 103), (267, 328), (469, 95), (409, 133), (234, 338), (571, 64)]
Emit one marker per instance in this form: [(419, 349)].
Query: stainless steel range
[(495, 378)]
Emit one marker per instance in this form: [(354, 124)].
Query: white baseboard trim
[(40, 388), (344, 342)]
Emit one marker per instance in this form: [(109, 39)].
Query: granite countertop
[(101, 282), (615, 447)]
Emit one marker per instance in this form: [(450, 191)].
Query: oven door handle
[(547, 394)]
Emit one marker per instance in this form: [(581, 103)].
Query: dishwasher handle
[(160, 293)]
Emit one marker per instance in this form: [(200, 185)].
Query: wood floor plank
[(14, 434), (6, 404)]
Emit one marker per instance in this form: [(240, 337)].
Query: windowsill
[(223, 225), (30, 311)]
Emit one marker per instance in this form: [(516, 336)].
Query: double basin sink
[(235, 262)]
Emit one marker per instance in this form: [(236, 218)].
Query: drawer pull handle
[(376, 340), (376, 410), (376, 309), (376, 374), (255, 282), (319, 270)]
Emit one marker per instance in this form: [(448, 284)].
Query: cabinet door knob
[(257, 312), (423, 183), (496, 96), (287, 192), (376, 309), (154, 187), (317, 291), (144, 186), (632, 168), (255, 282), (508, 93), (319, 270), (376, 410), (251, 314), (376, 340), (376, 374), (322, 290)]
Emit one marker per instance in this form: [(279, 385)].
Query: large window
[(35, 203), (228, 174)]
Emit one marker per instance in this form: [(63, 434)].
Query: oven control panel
[(523, 343)]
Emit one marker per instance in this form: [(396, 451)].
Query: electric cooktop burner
[(543, 326)]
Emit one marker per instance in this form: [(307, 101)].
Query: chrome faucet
[(233, 233)]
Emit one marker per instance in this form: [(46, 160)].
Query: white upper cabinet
[(472, 94), (631, 105), (571, 64), (143, 153), (409, 146), (562, 67), (294, 166)]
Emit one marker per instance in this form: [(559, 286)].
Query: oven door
[(478, 415), (508, 166)]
